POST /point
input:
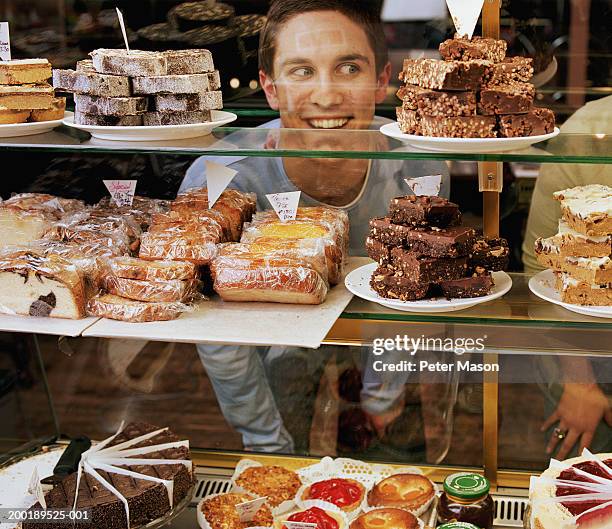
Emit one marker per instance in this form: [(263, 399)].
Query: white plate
[(464, 145), (543, 286), (157, 133), (358, 282), (29, 129)]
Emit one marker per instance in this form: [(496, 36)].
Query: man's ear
[(267, 83), (383, 83)]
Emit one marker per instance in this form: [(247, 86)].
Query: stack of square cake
[(473, 92), (423, 251), (580, 253), (25, 93), (117, 88)]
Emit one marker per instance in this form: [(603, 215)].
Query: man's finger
[(568, 444), (552, 443), (586, 440), (550, 421)]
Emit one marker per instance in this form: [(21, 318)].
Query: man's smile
[(328, 123)]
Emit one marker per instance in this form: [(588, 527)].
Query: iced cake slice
[(25, 71), (581, 293), (587, 209)]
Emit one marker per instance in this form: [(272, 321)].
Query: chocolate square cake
[(414, 210)]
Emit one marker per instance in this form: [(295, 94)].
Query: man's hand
[(581, 408)]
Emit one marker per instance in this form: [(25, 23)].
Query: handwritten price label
[(248, 509), (35, 488), (465, 15), (5, 42), (121, 191), (285, 204), (299, 525), (425, 185)]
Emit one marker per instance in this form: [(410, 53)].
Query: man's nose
[(326, 92)]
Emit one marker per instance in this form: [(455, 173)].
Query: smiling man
[(324, 67)]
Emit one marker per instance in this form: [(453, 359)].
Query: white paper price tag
[(5, 42), (35, 488), (122, 24), (465, 15), (299, 525), (425, 185), (248, 509), (218, 177), (285, 204), (121, 191)]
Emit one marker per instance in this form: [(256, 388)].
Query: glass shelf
[(261, 142), (548, 328)]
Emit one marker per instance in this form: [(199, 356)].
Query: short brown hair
[(365, 13)]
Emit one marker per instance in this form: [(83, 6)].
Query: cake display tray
[(465, 145), (29, 129), (219, 322), (358, 282), (157, 133), (53, 326), (542, 285)]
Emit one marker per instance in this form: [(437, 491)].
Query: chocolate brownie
[(464, 49), (515, 98), (408, 121), (467, 287), (384, 230), (437, 242), (438, 103), (421, 269), (459, 127), (537, 122), (489, 254), (511, 70), (147, 500), (378, 251), (445, 75), (414, 210), (394, 285)]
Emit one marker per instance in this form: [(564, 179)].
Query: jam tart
[(412, 492), (346, 494), (387, 518)]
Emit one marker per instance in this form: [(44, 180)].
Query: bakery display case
[(256, 356)]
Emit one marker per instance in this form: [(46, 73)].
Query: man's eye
[(302, 72), (348, 69)]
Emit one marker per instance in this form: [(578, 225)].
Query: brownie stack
[(423, 251), (473, 92)]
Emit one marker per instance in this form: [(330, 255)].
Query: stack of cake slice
[(25, 94), (423, 251), (473, 92), (117, 88), (580, 253)]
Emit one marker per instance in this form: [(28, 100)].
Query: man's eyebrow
[(353, 57), (295, 61)]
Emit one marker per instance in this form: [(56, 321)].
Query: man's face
[(324, 74)]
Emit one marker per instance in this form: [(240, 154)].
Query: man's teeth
[(329, 123)]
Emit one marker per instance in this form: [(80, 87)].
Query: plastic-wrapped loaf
[(134, 268), (119, 232), (202, 224), (153, 291), (141, 210), (303, 229), (32, 284), (26, 217), (123, 309), (238, 207), (336, 217), (179, 244), (244, 274), (200, 216)]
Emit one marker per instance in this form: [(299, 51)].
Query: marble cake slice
[(171, 84), (186, 62), (99, 120), (110, 106), (189, 102), (85, 81), (154, 119), (134, 63)]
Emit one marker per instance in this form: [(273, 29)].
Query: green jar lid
[(467, 485), (458, 525)]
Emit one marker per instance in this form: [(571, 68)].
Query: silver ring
[(559, 433)]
